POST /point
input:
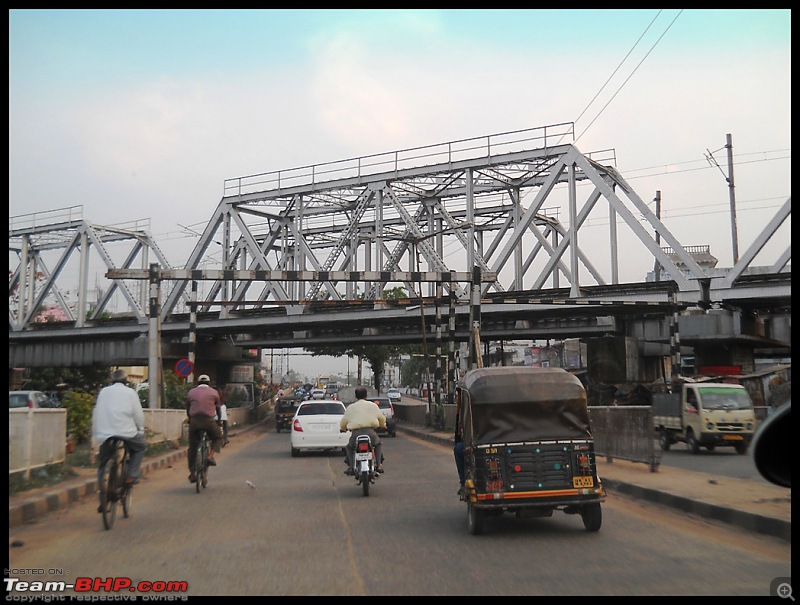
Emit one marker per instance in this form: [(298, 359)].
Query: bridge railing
[(394, 161)]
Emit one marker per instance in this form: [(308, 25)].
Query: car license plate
[(583, 482), (322, 427), (363, 455), (732, 437)]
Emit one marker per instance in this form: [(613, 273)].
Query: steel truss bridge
[(468, 229)]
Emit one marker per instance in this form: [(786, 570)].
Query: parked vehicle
[(529, 448), (315, 426), (385, 405), (30, 399), (707, 414), (364, 463), (285, 409)]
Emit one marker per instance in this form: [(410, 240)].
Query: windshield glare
[(725, 399)]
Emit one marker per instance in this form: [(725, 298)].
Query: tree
[(412, 371), (88, 378), (375, 355)]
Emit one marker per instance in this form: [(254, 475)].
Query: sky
[(140, 115)]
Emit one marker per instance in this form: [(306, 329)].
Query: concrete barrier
[(412, 412)]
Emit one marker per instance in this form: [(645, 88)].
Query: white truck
[(705, 414)]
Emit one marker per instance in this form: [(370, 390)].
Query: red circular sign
[(184, 367)]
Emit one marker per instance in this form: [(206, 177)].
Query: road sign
[(184, 367)]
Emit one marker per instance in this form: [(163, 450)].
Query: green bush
[(79, 415), (175, 390)]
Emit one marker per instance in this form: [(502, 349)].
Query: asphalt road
[(304, 528), (722, 461)]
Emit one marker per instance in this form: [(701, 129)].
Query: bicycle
[(201, 462), (113, 490)]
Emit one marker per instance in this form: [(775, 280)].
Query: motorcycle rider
[(362, 418), (458, 445)]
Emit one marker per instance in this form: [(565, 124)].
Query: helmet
[(204, 379), (119, 375)]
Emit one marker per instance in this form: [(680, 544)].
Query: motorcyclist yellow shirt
[(362, 414)]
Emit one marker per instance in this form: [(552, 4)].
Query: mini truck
[(705, 414)]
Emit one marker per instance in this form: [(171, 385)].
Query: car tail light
[(296, 426)]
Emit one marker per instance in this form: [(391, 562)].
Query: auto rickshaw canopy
[(519, 403)]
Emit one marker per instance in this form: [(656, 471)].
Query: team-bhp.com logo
[(161, 588)]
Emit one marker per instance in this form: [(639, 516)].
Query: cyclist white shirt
[(117, 412)]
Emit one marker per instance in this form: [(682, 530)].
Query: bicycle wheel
[(108, 492), (127, 490), (205, 461), (199, 466)]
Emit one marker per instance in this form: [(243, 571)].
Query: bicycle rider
[(203, 410), (118, 413)]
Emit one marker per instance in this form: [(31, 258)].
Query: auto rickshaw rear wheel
[(476, 519), (592, 516)]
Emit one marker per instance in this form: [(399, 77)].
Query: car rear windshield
[(384, 403), (310, 409)]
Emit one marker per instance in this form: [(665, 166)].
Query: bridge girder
[(444, 207)]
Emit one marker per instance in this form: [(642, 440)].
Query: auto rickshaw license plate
[(732, 437), (583, 481)]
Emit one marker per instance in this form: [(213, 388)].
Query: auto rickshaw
[(284, 412), (528, 446)]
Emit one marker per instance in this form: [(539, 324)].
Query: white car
[(315, 426), (387, 409), (394, 395), (30, 399), (317, 393)]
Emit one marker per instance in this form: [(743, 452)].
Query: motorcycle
[(363, 466)]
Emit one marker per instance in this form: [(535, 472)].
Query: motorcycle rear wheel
[(365, 483)]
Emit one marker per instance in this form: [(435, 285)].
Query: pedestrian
[(223, 415)]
